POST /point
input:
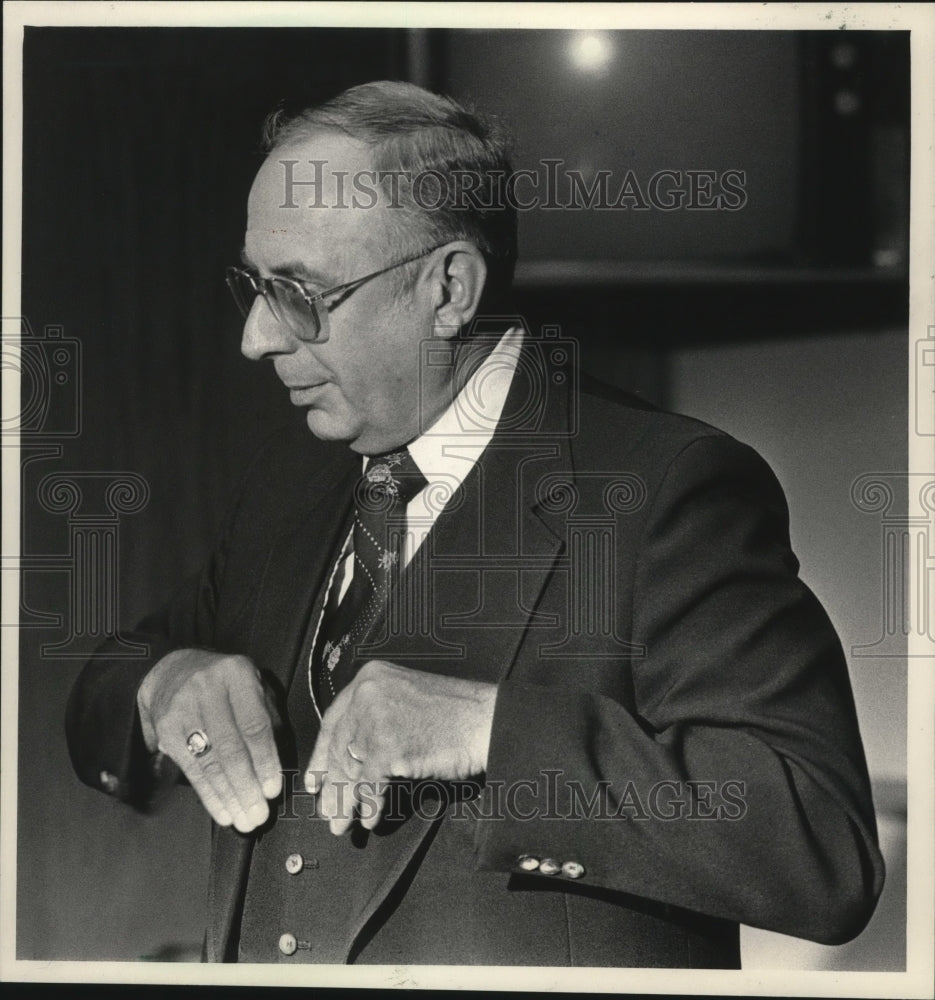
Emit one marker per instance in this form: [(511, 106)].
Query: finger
[(217, 805), (371, 801), (318, 763), (337, 801), (332, 771), (342, 816), (229, 766), (357, 796), (363, 797), (253, 721), (338, 717), (370, 786)]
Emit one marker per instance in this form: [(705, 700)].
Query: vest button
[(288, 944), (294, 864)]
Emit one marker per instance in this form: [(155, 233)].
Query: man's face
[(362, 385)]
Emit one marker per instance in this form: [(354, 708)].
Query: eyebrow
[(296, 269)]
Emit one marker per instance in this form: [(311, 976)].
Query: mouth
[(305, 395)]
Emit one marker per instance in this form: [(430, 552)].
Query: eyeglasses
[(304, 313)]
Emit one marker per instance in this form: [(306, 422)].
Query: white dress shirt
[(449, 449)]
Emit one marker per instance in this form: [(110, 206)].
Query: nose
[(263, 334)]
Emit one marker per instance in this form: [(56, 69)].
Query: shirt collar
[(450, 448)]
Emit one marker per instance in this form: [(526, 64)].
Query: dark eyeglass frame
[(314, 327)]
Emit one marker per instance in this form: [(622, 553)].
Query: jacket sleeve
[(102, 724), (738, 787)]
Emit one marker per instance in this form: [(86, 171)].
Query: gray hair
[(415, 133)]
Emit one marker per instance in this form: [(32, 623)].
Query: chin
[(326, 428), (363, 440)]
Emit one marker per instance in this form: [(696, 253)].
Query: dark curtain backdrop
[(139, 150)]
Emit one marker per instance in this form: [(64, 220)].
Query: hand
[(222, 695), (399, 723)]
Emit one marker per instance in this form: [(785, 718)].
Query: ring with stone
[(198, 743)]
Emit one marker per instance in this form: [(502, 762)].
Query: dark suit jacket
[(625, 576)]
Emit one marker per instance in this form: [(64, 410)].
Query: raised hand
[(393, 722), (210, 714)]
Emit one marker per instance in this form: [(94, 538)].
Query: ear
[(458, 278)]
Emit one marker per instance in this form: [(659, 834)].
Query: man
[(533, 656)]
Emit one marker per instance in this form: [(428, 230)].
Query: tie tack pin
[(382, 479), (332, 653)]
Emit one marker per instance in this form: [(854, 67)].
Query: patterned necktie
[(380, 500)]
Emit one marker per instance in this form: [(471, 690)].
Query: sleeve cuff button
[(572, 869), (528, 863), (549, 866)]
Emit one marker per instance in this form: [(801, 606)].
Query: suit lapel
[(294, 576), (464, 604), (466, 600)]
